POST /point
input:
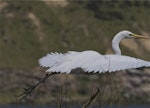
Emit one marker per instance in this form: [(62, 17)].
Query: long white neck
[(115, 43)]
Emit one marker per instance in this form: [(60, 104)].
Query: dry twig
[(91, 99), (30, 88)]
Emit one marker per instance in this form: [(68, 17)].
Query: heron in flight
[(90, 61)]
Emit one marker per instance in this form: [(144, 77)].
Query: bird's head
[(128, 34), (121, 35)]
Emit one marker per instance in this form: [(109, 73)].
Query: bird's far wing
[(54, 59), (50, 59), (119, 62)]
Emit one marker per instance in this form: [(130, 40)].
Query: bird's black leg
[(28, 91)]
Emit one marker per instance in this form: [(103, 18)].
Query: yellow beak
[(139, 36)]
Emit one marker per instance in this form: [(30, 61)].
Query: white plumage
[(92, 61)]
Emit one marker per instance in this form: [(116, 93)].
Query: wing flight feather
[(89, 61)]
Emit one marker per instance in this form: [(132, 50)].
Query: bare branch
[(91, 99), (30, 88)]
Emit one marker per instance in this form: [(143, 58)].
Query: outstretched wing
[(89, 61), (120, 62)]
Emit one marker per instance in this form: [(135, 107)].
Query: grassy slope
[(64, 28)]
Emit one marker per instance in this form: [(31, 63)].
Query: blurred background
[(31, 29)]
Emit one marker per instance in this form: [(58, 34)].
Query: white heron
[(89, 61), (92, 61)]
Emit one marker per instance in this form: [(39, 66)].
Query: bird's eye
[(130, 34)]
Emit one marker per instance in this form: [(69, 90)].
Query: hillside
[(30, 30)]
